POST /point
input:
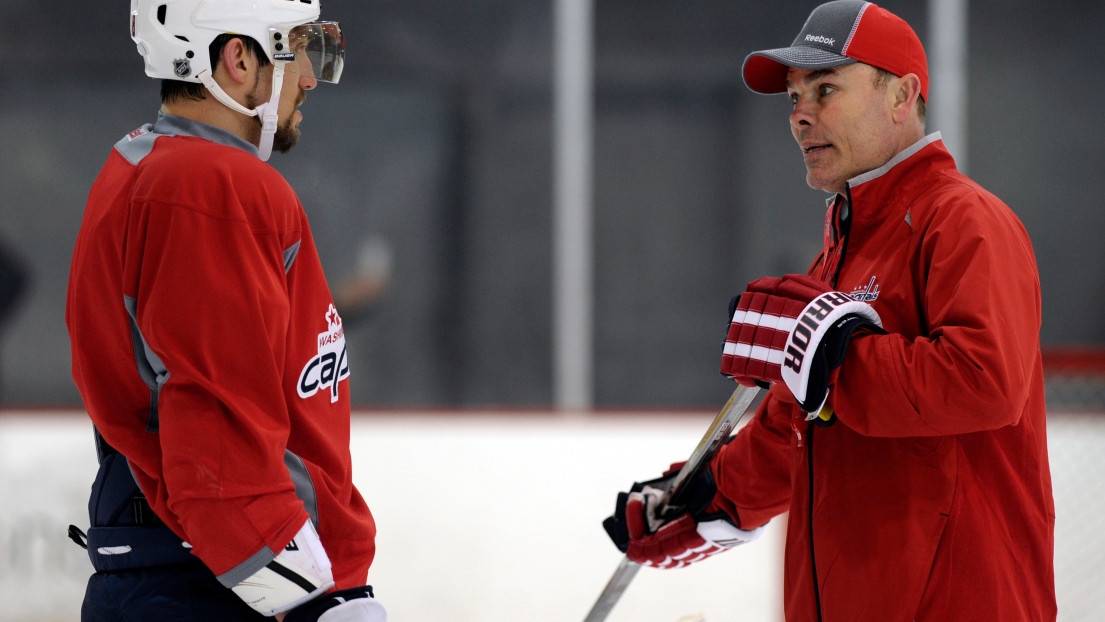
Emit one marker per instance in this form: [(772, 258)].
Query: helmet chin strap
[(268, 112)]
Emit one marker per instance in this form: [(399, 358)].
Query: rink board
[(495, 517)]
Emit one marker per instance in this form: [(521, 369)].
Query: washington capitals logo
[(331, 365), (866, 293)]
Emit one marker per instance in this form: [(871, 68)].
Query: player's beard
[(287, 133)]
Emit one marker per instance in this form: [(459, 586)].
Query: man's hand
[(796, 330), (640, 531)]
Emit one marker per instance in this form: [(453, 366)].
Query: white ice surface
[(500, 519), (497, 518), (488, 518)]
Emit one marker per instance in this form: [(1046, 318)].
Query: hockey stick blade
[(720, 429)]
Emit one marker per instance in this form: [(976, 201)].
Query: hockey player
[(904, 429), (205, 341)]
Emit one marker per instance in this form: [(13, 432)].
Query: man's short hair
[(882, 79), (174, 90)]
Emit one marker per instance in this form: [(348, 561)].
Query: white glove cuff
[(811, 326), (724, 534), (358, 610), (299, 573)]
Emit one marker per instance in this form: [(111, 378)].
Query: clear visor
[(319, 49)]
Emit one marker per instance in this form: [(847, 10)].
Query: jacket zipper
[(842, 227), (813, 558)]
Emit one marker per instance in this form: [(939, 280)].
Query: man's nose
[(307, 82), (803, 113)]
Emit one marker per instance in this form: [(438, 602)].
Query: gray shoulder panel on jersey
[(304, 485), (139, 143), (150, 368), (290, 254), (248, 568)]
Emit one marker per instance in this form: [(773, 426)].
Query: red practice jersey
[(208, 351)]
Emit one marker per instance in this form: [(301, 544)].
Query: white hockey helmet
[(174, 37)]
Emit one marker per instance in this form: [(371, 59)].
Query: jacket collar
[(887, 190), (896, 160)]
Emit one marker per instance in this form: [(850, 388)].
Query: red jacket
[(930, 497), (196, 286)]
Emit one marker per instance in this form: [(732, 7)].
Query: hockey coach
[(205, 342), (904, 429)]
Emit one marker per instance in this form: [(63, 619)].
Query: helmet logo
[(182, 67)]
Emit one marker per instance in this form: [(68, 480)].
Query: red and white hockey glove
[(796, 330), (638, 529)]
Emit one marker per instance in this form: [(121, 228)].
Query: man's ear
[(236, 62), (904, 92)]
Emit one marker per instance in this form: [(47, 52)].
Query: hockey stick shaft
[(610, 596), (719, 431)]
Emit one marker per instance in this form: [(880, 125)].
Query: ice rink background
[(496, 517)]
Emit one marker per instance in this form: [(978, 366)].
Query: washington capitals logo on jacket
[(866, 293), (331, 365)]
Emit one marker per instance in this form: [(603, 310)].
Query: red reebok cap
[(841, 33)]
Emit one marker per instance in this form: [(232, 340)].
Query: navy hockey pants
[(176, 593)]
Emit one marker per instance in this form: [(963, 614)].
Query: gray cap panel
[(821, 44), (806, 57), (831, 25)]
